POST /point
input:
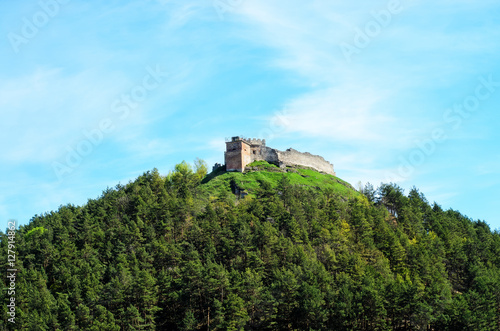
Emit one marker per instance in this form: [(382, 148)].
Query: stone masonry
[(241, 151)]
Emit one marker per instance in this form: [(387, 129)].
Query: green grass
[(216, 182), (262, 165)]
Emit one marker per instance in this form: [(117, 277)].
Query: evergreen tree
[(181, 252)]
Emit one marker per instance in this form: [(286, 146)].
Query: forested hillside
[(302, 251)]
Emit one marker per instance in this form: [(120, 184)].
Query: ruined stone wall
[(293, 157), (265, 153)]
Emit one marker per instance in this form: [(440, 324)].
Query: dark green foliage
[(161, 254)]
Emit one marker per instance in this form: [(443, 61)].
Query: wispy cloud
[(341, 114), (45, 110)]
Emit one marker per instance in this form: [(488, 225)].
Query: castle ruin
[(241, 151)]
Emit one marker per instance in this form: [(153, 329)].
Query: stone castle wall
[(292, 157), (267, 154), (240, 152)]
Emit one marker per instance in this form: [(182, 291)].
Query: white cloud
[(341, 115)]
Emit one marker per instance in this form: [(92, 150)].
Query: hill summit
[(256, 173)]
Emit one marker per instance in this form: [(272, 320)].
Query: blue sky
[(93, 94)]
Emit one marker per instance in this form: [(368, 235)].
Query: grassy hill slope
[(262, 171)]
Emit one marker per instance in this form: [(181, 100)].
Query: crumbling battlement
[(241, 151), (256, 142)]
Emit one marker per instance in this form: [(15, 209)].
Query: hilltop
[(259, 172), (293, 249)]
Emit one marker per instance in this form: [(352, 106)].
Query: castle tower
[(237, 154)]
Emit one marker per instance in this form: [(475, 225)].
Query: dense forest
[(182, 252)]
